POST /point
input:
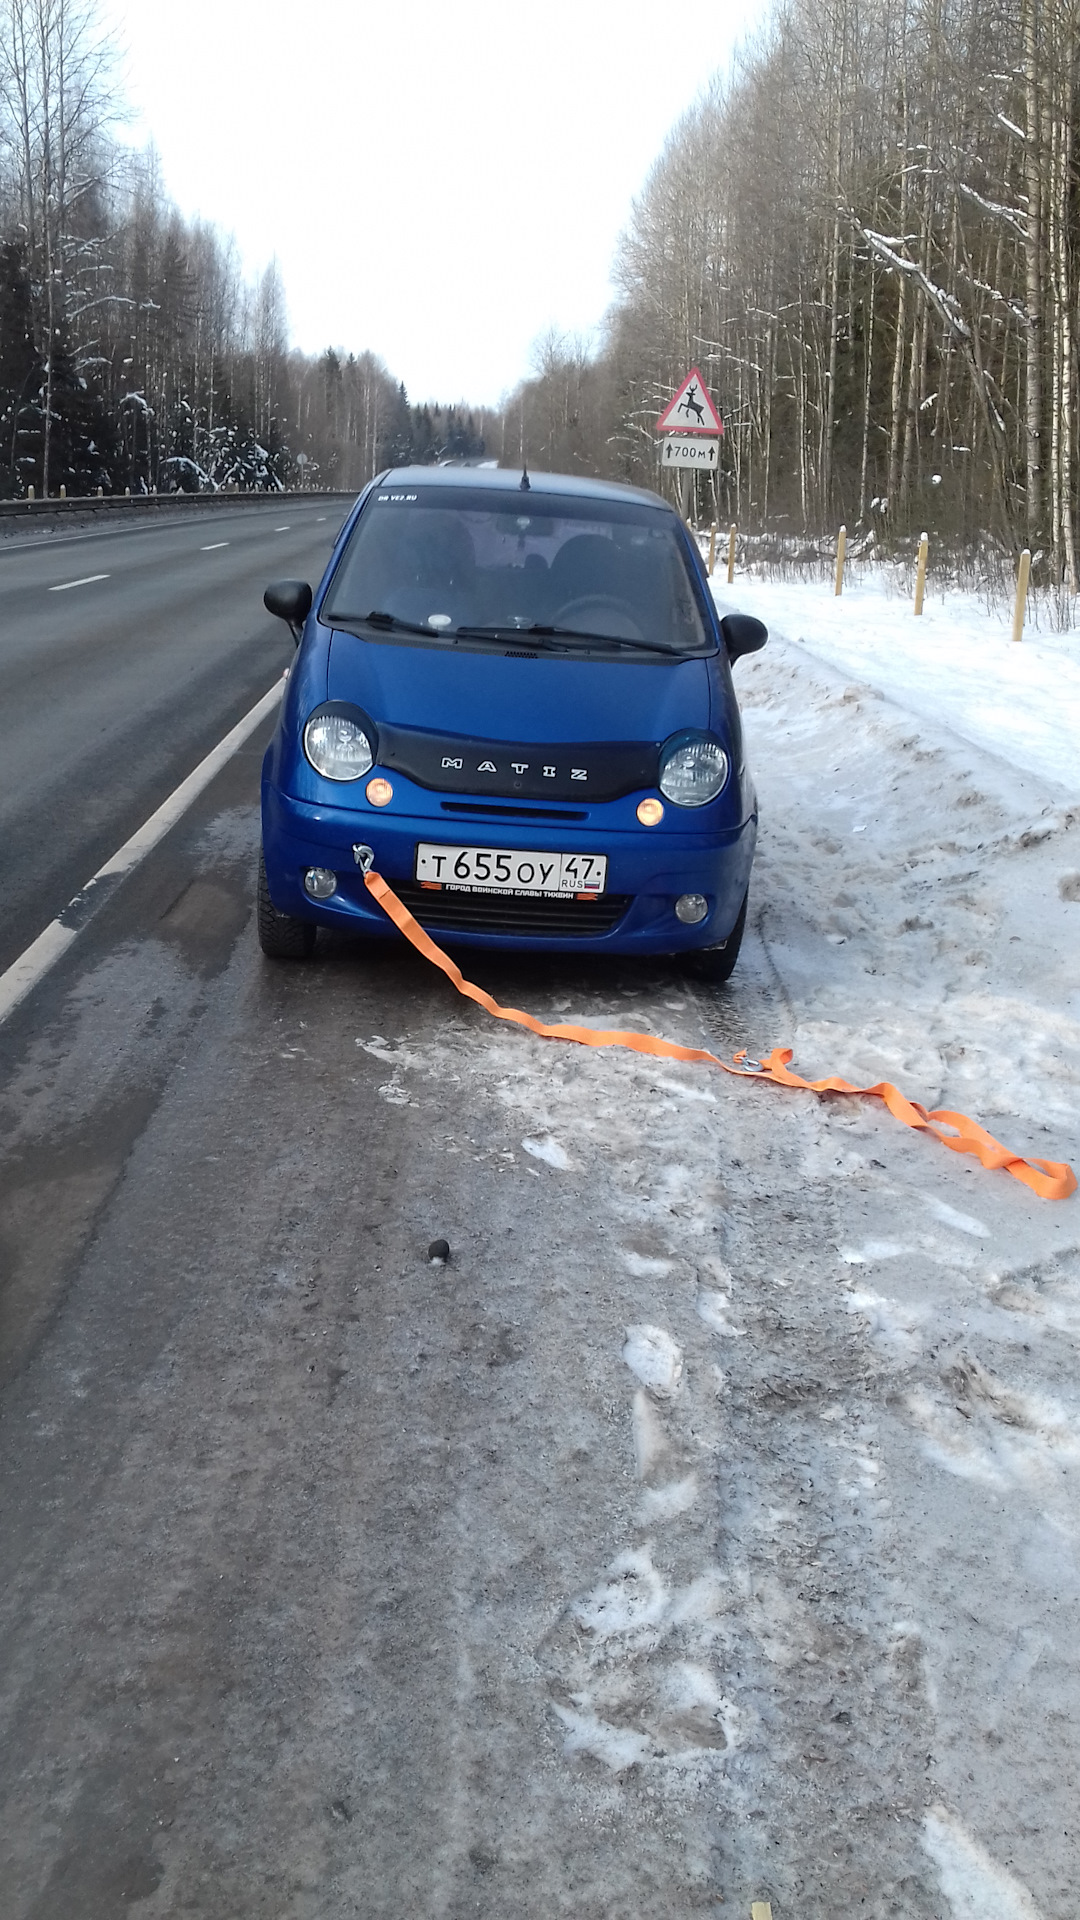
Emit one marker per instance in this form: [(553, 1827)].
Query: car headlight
[(693, 770), (337, 745)]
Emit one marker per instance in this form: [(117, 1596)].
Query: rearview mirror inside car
[(743, 634), (290, 600)]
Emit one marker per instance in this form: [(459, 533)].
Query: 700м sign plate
[(680, 451)]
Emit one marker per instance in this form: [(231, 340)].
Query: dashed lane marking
[(88, 581), (281, 529), (32, 965), (214, 545)]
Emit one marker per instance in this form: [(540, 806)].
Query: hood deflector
[(453, 763)]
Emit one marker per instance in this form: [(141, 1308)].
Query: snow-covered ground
[(918, 894), (956, 665), (823, 1647), (988, 773)]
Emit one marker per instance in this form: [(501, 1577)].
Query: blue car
[(513, 698)]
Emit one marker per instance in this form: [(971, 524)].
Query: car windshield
[(473, 566)]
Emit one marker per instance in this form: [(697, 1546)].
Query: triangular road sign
[(691, 411)]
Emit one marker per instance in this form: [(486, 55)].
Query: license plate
[(498, 870)]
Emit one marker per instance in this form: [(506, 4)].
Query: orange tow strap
[(1050, 1179)]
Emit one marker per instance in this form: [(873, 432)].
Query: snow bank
[(955, 666)]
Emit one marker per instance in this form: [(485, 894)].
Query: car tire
[(281, 936), (714, 965)]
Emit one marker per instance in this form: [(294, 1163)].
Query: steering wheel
[(582, 613)]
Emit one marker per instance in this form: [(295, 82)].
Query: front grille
[(551, 917)]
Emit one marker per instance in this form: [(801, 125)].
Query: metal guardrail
[(152, 502)]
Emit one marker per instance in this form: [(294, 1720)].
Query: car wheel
[(717, 964), (281, 936)]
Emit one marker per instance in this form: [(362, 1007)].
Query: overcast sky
[(438, 182)]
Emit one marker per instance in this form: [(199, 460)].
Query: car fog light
[(379, 792), (650, 812), (319, 882), (690, 908)]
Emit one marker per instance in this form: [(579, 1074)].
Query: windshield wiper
[(609, 639), (504, 632), (539, 633), (389, 623), (542, 633)]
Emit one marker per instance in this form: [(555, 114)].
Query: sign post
[(690, 429)]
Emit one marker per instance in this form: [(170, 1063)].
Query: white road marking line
[(281, 529), (213, 547), (87, 582), (34, 962)]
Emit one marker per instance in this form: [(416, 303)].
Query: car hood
[(549, 698)]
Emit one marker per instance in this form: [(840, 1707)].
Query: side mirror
[(290, 600), (743, 634)]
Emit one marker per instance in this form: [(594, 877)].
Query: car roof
[(508, 480)]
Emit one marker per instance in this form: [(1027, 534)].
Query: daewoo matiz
[(513, 698)]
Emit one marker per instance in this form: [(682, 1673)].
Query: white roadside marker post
[(732, 531), (841, 549), (920, 575), (712, 548), (1022, 573)]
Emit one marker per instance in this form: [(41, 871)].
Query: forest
[(866, 234), (868, 239), (133, 352)]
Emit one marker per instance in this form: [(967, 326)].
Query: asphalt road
[(124, 657)]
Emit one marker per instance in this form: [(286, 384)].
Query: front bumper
[(650, 866)]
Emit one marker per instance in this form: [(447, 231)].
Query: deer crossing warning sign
[(691, 410)]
